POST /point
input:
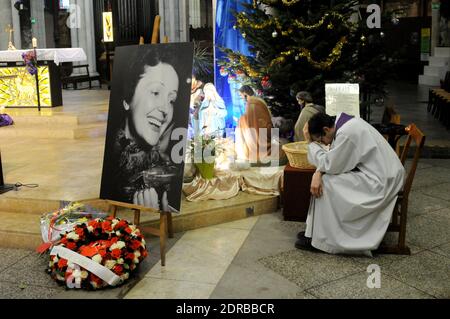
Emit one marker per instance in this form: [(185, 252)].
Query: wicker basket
[(297, 154)]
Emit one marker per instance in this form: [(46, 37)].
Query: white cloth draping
[(57, 55), (227, 184)]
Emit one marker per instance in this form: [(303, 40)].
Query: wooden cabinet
[(296, 193)]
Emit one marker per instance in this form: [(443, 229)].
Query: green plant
[(203, 61)]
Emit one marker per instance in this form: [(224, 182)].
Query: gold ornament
[(334, 56), (270, 2), (243, 21)]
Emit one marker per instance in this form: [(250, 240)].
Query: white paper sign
[(342, 97)]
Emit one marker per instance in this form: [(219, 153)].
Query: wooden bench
[(76, 78)]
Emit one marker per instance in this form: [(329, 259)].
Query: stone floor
[(256, 258)]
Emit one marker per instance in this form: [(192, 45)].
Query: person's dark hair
[(246, 89), (137, 69), (305, 96), (318, 122)]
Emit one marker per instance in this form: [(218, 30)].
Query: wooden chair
[(399, 217), (165, 223)]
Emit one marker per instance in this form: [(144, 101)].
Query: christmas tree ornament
[(274, 34), (382, 34), (235, 27), (363, 38), (244, 35), (330, 26), (223, 71), (297, 57)]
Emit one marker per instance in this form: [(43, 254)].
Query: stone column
[(174, 20), (435, 20), (5, 19), (82, 31), (16, 25), (38, 28)]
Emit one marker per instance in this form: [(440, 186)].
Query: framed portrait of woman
[(147, 125)]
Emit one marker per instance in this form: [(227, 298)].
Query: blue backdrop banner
[(227, 37)]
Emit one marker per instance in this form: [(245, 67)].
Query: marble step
[(442, 52), (436, 71), (21, 229), (439, 61), (54, 131), (429, 80), (35, 119)]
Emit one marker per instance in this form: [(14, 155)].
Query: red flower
[(62, 263), (135, 244), (114, 240), (79, 231), (95, 224), (102, 253), (116, 253), (129, 256), (121, 224), (106, 226), (118, 269), (128, 230), (95, 279), (71, 246)]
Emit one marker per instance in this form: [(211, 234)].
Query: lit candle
[(34, 43)]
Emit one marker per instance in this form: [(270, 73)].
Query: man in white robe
[(354, 188)]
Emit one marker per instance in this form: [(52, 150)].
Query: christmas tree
[(299, 45)]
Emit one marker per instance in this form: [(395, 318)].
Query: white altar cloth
[(56, 55)]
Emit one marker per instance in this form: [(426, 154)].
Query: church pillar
[(435, 20), (5, 19), (38, 17), (174, 20), (16, 25), (82, 30)]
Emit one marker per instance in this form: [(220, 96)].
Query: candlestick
[(35, 44)]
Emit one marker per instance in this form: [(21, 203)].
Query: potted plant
[(204, 150)]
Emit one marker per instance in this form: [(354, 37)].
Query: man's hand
[(306, 133), (316, 185)]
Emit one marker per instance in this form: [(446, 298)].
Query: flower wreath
[(97, 253)]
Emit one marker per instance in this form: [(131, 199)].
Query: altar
[(18, 87)]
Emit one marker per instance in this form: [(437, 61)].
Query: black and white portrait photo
[(149, 107)]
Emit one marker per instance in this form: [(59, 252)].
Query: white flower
[(90, 229), (118, 245), (120, 261), (97, 258), (73, 236), (114, 223), (60, 278), (110, 264), (125, 276), (118, 233)]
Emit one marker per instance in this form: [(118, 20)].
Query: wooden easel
[(165, 223)]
